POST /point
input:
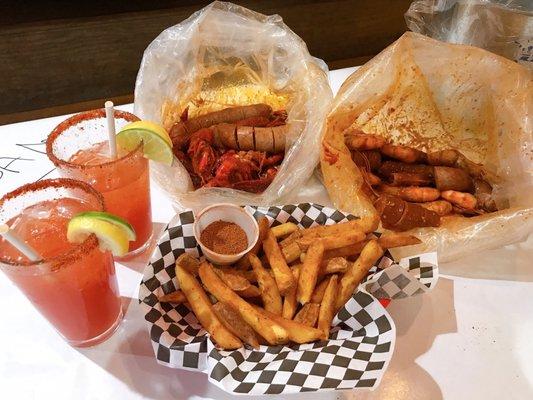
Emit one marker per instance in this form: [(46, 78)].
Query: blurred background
[(58, 57)]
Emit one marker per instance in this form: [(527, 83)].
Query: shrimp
[(370, 160), (403, 153), (441, 207), (460, 199), (416, 194), (467, 211), (372, 180), (363, 141), (447, 157)]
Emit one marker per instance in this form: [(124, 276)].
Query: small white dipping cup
[(228, 213)]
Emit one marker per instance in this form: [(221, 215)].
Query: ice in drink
[(126, 190), (79, 149), (74, 286)]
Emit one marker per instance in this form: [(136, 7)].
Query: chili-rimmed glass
[(74, 286), (78, 147)]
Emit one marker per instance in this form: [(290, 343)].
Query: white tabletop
[(471, 338)]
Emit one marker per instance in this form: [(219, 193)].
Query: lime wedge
[(111, 236), (157, 145), (120, 222)]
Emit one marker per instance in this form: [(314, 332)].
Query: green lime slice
[(110, 236), (157, 145), (114, 219)]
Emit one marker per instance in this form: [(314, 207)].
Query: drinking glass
[(74, 286), (78, 147)]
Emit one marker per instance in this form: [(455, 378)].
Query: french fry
[(346, 251), (350, 250), (309, 272), (332, 230), (174, 297), (357, 271), (297, 332), (201, 306), (364, 224), (250, 292), (308, 315), (282, 273), (333, 266), (327, 306), (291, 252), (244, 263), (249, 275), (284, 229), (296, 267), (273, 332), (386, 241), (190, 263), (333, 242), (267, 286), (319, 291), (390, 240), (291, 238), (234, 281), (290, 303), (232, 320)]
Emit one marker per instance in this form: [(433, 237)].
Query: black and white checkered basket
[(355, 356)]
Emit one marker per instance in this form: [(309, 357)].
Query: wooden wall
[(65, 56)]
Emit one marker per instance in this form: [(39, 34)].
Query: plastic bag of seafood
[(435, 138), (243, 101)]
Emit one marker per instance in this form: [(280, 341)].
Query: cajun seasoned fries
[(288, 288)]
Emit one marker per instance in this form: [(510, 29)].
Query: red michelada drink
[(73, 285)]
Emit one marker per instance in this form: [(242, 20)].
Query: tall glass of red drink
[(74, 286), (79, 149)]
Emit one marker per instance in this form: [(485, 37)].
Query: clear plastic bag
[(435, 95), (226, 55), (504, 27)]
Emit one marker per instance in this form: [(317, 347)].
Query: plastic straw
[(18, 243), (110, 116)]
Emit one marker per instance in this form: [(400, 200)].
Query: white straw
[(18, 243), (110, 116)]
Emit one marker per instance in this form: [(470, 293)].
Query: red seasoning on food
[(224, 237)]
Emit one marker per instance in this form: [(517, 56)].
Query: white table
[(471, 338)]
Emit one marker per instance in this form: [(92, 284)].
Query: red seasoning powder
[(224, 237)]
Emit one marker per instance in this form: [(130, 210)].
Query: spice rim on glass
[(228, 213), (78, 147), (74, 286)]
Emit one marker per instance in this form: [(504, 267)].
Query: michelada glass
[(74, 286), (79, 148)]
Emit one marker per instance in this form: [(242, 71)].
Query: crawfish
[(242, 170), (202, 154)]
